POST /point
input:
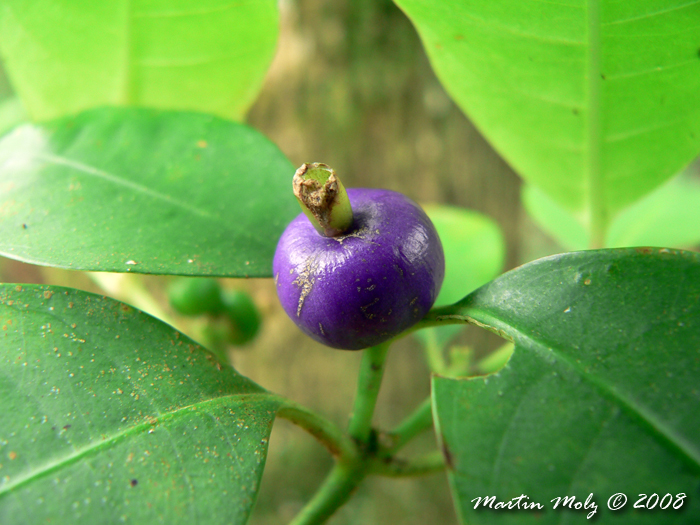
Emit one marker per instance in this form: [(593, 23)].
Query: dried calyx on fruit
[(358, 267)]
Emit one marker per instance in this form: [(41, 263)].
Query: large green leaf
[(474, 253), (594, 102), (563, 226), (111, 416), (144, 191), (64, 56), (12, 113), (601, 395), (668, 216)]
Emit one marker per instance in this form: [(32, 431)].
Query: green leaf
[(64, 57), (595, 103), (144, 191), (669, 216), (111, 416), (496, 360), (474, 254), (12, 113), (562, 225), (601, 395)]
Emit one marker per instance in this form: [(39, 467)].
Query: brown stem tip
[(323, 199)]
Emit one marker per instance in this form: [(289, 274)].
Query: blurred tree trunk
[(352, 87)]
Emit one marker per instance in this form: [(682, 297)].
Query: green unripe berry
[(241, 312), (196, 296)]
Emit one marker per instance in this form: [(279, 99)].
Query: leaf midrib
[(593, 173), (95, 447), (92, 171), (656, 426), (128, 95)]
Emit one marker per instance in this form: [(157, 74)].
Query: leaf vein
[(502, 28), (109, 441), (618, 137), (189, 62), (191, 12), (654, 423), (114, 179), (652, 70), (502, 443), (652, 14)]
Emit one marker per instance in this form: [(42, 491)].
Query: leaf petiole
[(420, 420), (353, 457), (327, 433), (429, 463), (333, 493)]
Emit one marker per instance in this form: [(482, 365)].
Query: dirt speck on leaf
[(449, 461)]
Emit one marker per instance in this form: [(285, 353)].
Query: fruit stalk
[(337, 442), (323, 199), (369, 381), (349, 470), (335, 491)]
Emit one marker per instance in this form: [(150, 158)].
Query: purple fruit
[(368, 284)]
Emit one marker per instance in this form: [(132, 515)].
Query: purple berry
[(368, 284)]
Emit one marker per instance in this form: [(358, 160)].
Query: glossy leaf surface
[(111, 416), (474, 254), (64, 57), (601, 395), (563, 226), (669, 216), (144, 191), (595, 103)]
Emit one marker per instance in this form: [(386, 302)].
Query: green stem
[(369, 381), (429, 463), (440, 316), (353, 456), (335, 491), (417, 422), (434, 353), (327, 433), (323, 199), (454, 314)]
